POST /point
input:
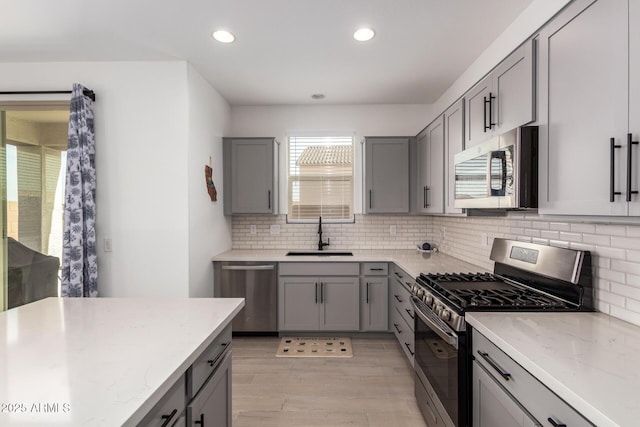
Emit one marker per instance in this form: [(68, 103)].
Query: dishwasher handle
[(248, 267)]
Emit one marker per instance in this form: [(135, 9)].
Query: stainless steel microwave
[(501, 173)]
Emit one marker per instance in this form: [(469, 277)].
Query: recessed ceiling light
[(317, 96), (364, 34), (224, 36)]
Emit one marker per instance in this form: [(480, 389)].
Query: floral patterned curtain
[(79, 259)]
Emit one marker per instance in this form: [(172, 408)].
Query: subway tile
[(613, 253), (559, 226), (625, 242), (633, 256), (583, 228), (633, 231), (624, 314), (571, 237), (549, 234), (627, 291), (611, 230), (596, 239), (612, 275), (610, 298)]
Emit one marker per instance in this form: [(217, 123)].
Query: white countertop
[(590, 360), (411, 261), (100, 361)]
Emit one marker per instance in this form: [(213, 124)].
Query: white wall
[(209, 229), (361, 120), (142, 157)]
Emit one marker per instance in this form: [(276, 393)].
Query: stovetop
[(467, 291)]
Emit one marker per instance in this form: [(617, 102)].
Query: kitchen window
[(320, 179)]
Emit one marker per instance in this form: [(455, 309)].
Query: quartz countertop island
[(100, 361), (590, 360)]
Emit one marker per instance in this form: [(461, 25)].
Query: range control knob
[(445, 314), (428, 299), (418, 292)]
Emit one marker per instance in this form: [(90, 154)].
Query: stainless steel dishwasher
[(257, 283)]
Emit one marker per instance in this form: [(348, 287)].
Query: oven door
[(440, 365)]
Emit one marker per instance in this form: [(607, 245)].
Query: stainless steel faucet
[(321, 244)]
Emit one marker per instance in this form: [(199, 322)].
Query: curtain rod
[(86, 92)]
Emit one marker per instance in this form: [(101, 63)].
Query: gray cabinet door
[(584, 103), (339, 303), (374, 304), (298, 303), (453, 144), (435, 173), (634, 103), (477, 113), (387, 175), (212, 405), (251, 175), (513, 85), (492, 406)]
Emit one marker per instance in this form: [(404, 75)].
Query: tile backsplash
[(367, 232), (615, 248)]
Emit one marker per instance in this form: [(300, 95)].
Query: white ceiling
[(285, 50)]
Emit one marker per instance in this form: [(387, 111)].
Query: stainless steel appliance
[(501, 173), (526, 277), (256, 282)]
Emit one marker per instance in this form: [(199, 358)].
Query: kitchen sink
[(318, 253)]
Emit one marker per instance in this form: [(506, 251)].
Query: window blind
[(320, 177)]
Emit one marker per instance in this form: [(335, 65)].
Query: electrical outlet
[(392, 230), (108, 245), (484, 239), (275, 229), (253, 229), (443, 233)]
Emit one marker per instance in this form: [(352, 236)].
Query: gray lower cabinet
[(505, 394), (170, 409), (374, 303), (386, 175), (318, 303), (212, 404), (493, 406), (248, 175), (402, 314)]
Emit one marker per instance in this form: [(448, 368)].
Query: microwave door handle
[(500, 155)]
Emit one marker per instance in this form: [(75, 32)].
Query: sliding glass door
[(33, 172)]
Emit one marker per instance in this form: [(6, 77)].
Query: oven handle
[(448, 336)]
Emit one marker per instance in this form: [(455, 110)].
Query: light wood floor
[(373, 388)]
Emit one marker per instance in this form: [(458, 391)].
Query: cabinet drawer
[(375, 269), (402, 277), (319, 269), (171, 405), (404, 334), (207, 363), (402, 302), (534, 396)]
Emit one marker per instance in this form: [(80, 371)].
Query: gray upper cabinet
[(386, 175), (453, 144), (248, 176), (589, 79), (504, 99), (430, 170)]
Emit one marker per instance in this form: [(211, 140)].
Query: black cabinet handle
[(409, 348), (168, 418), (367, 292), (377, 269), (490, 102), (269, 198), (494, 365), (413, 316), (630, 144), (426, 196), (370, 199), (612, 169), (397, 329), (321, 293), (200, 421), (555, 424), (316, 292), (397, 297)]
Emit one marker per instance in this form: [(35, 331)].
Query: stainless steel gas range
[(527, 277)]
